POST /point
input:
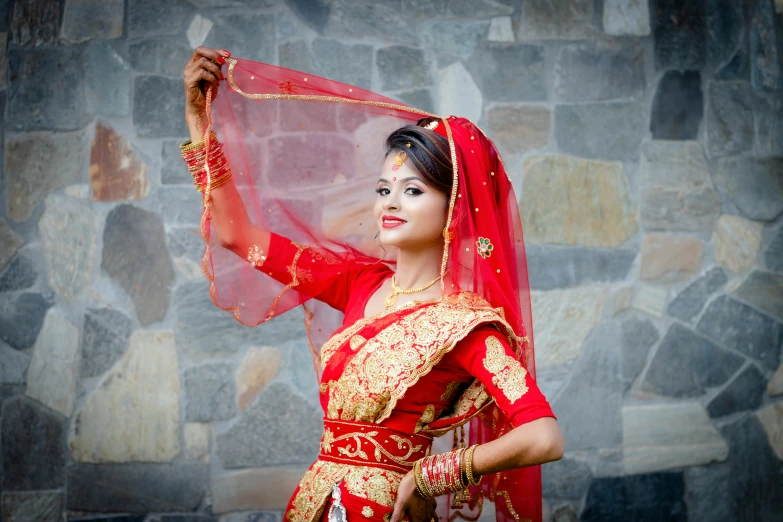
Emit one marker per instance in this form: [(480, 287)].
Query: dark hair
[(429, 153)]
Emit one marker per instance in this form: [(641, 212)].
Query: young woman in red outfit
[(429, 274)]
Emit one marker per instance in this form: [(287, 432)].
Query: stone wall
[(645, 141)]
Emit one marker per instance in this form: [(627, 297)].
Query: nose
[(391, 201)]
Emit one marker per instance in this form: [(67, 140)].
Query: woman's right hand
[(201, 72)]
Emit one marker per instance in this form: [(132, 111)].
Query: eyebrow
[(412, 178)]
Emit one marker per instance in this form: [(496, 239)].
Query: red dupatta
[(306, 153)]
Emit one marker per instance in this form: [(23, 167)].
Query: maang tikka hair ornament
[(399, 159)]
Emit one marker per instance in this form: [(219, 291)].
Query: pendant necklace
[(397, 290)]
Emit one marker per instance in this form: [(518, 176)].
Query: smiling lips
[(391, 221)]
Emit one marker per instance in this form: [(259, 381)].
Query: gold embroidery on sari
[(397, 356), (377, 485), (356, 341), (314, 489), (450, 389), (292, 269), (507, 373), (426, 417)]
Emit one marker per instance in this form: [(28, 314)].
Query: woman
[(420, 350)]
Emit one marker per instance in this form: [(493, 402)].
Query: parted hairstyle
[(429, 153)]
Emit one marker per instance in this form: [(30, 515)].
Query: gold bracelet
[(188, 146), (469, 467), (420, 485)]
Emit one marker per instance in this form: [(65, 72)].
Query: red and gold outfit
[(304, 153), (392, 381)]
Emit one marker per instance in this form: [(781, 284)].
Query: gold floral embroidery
[(377, 485), (356, 341), (314, 489), (368, 512), (507, 373), (450, 389), (392, 361), (326, 441), (255, 256), (292, 269), (426, 417), (287, 87)]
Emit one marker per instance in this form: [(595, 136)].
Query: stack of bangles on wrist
[(194, 155), (445, 473)]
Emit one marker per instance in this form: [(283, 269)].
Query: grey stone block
[(769, 126), (610, 131), (136, 488), (173, 170), (402, 67), (563, 20), (351, 64), (686, 364), (729, 118), (362, 19), (159, 56), (292, 430), (210, 393), (738, 326), (509, 72), (135, 255), (93, 19), (744, 392), (755, 186), (21, 319), (108, 81), (680, 31), (154, 18), (677, 107), (13, 365), (565, 479), (726, 53), (594, 72), (553, 267), (594, 392), (9, 242), (639, 335), (708, 494), (764, 57), (688, 303), (35, 22), (159, 107), (764, 291), (652, 496), (40, 506), (418, 99), (773, 257), (48, 89), (314, 13), (452, 40), (33, 446), (105, 338), (19, 275), (245, 35), (205, 330)]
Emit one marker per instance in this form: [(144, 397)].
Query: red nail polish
[(226, 53), (221, 60)]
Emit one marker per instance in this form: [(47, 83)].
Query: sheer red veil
[(306, 153)]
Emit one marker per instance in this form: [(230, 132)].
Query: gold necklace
[(397, 290)]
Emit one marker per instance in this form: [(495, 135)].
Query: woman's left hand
[(409, 502)]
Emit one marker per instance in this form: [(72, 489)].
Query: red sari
[(392, 381)]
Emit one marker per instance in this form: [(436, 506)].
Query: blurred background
[(645, 141)]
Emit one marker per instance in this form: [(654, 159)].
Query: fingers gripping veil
[(306, 153)]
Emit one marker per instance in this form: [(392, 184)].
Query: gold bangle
[(220, 182), (187, 146), (419, 480), (469, 467)]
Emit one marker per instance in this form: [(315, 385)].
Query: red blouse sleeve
[(312, 272), (487, 355)]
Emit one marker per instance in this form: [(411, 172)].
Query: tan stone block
[(771, 417), (650, 299), (670, 258), (115, 171), (258, 367), (562, 319), (775, 384), (197, 437), (657, 437), (621, 300), (573, 201), (520, 128), (737, 241), (249, 489), (133, 416)]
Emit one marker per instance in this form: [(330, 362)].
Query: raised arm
[(230, 221)]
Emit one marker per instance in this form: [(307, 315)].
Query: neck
[(416, 268)]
